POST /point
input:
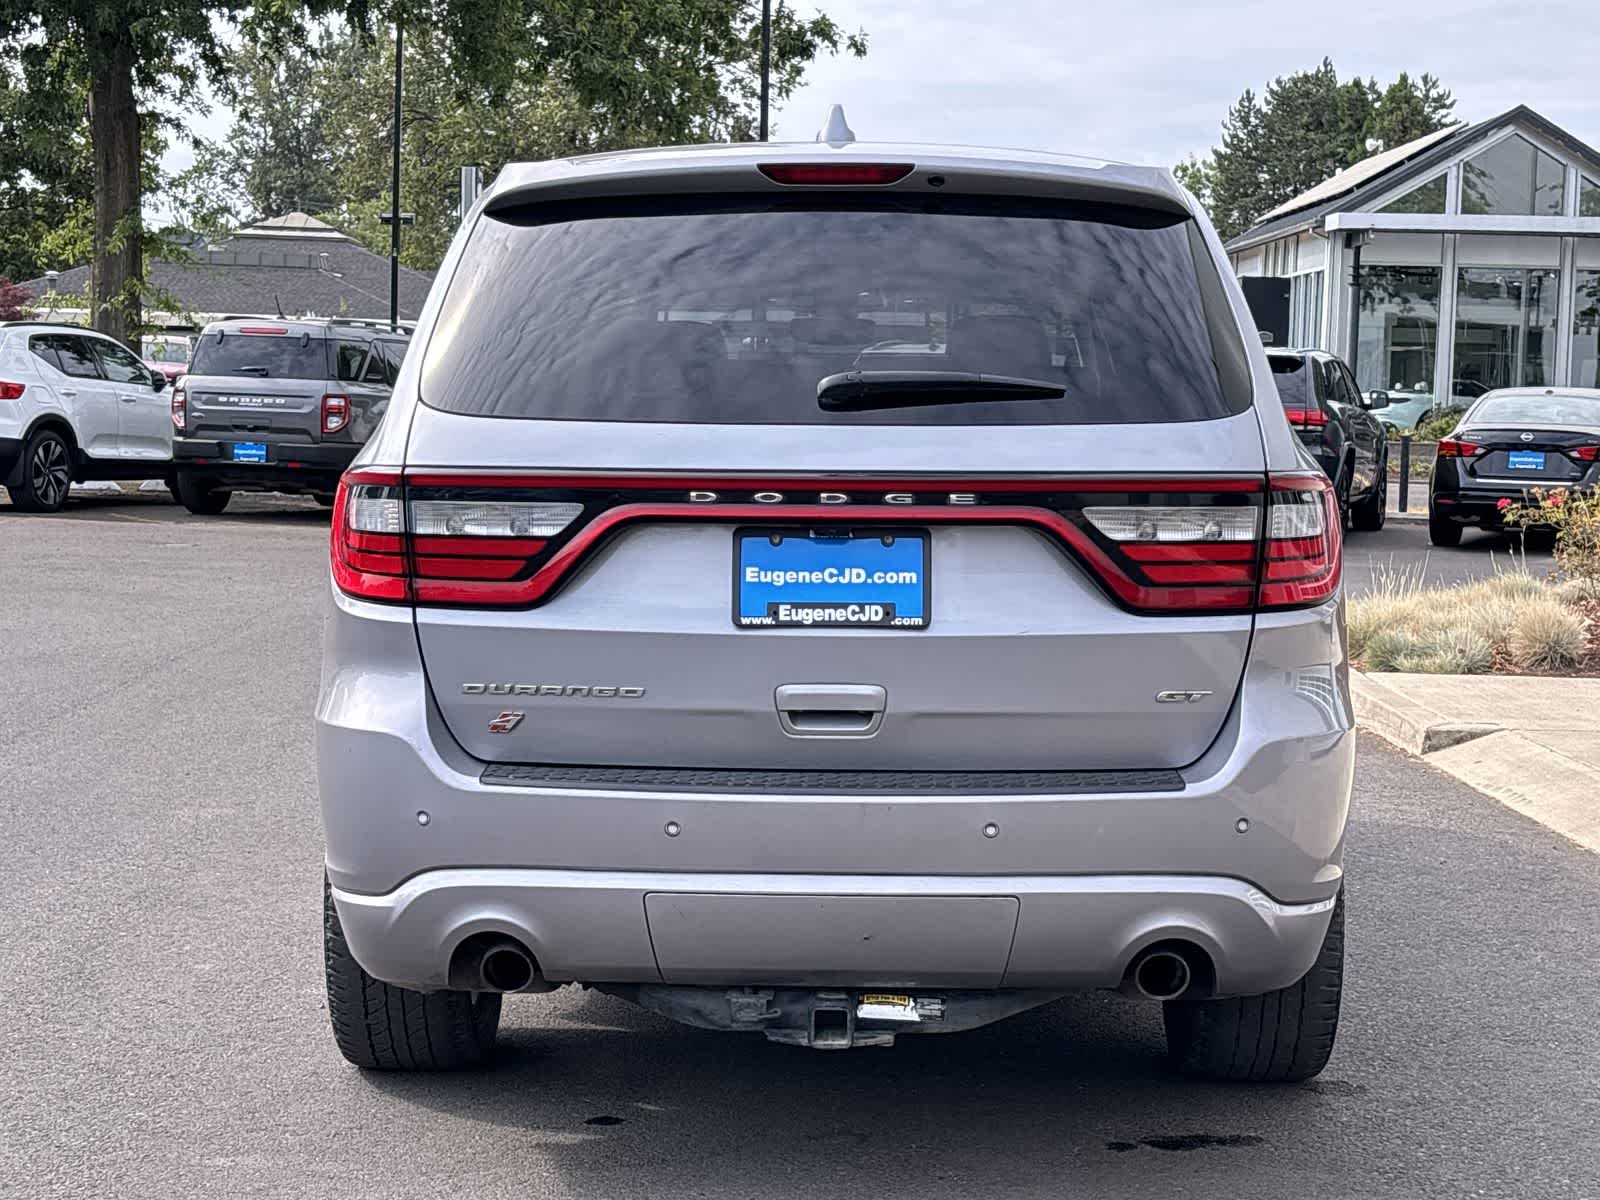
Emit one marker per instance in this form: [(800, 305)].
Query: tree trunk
[(116, 274)]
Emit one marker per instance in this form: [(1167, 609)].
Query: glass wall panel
[(1513, 177), (1505, 329), (1397, 334), (1305, 310), (1429, 198), (1586, 331), (1588, 197)]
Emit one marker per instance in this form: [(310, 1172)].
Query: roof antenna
[(279, 305), (837, 131)]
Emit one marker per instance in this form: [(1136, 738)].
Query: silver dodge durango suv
[(836, 591)]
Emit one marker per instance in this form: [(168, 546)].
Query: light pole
[(766, 63), (394, 183)]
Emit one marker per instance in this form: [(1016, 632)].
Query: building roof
[(295, 264), (1355, 187)]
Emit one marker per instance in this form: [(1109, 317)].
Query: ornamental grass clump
[(1548, 636)]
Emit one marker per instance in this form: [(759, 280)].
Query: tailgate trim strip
[(734, 779)]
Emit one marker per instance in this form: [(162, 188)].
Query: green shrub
[(1575, 516), (1439, 422)]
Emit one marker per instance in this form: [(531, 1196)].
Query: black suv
[(1334, 420), (279, 406)]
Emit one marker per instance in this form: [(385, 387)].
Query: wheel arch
[(57, 424)]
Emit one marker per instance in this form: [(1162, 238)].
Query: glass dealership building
[(1466, 260)]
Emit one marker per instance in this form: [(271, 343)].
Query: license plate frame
[(252, 452), (815, 549)]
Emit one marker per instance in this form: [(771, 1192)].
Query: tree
[(1305, 128), (16, 301), (45, 175), (541, 107), (674, 66)]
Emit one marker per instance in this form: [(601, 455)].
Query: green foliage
[(1307, 127), (313, 130), (1575, 516), (1439, 422)]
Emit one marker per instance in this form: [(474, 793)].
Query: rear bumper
[(289, 466), (1242, 859), (920, 932)]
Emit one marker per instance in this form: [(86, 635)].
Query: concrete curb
[(1511, 766), (1413, 727)]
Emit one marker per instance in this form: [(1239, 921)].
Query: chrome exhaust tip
[(1161, 975)]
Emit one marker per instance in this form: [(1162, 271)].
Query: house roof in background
[(294, 262), (1355, 187)]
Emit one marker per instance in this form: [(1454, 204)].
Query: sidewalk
[(1531, 743)]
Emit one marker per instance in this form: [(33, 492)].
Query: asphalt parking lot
[(165, 1030)]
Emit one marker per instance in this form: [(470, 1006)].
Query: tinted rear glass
[(1559, 409), (673, 312), (265, 356), (1293, 377)]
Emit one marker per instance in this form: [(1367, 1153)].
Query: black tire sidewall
[(23, 496)]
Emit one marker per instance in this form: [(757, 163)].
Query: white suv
[(76, 405)]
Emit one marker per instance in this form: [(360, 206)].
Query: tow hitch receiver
[(827, 1018)]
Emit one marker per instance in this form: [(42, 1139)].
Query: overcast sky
[(1150, 82)]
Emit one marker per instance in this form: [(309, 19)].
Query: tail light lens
[(1313, 417), (1585, 453), (180, 400), (12, 391), (1458, 448), (1155, 546), (1303, 553), (335, 413)]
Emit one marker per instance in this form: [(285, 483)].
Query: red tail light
[(180, 414), (12, 391), (1455, 448), (836, 174), (1304, 552), (1585, 453), (1312, 417), (1159, 546), (335, 413)]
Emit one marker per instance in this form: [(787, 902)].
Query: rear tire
[(1368, 515), (1282, 1036), (381, 1027), (1442, 531), (200, 499), (46, 471)]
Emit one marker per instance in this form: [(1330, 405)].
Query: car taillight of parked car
[(180, 400), (1162, 547), (335, 413), (1585, 453), (1459, 448), (1313, 417), (11, 391)]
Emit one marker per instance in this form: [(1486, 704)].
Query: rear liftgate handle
[(831, 710)]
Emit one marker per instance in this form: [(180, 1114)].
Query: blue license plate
[(253, 452), (1525, 460), (796, 579)]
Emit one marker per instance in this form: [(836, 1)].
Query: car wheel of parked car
[(46, 473), (1442, 531), (1368, 515), (201, 500), (386, 1028), (1276, 1037)]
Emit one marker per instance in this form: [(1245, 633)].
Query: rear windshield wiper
[(259, 372), (862, 391)]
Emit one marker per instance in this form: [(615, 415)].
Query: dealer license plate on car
[(803, 579)]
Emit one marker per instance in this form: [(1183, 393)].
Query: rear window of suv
[(1292, 374), (695, 311), (263, 355)]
